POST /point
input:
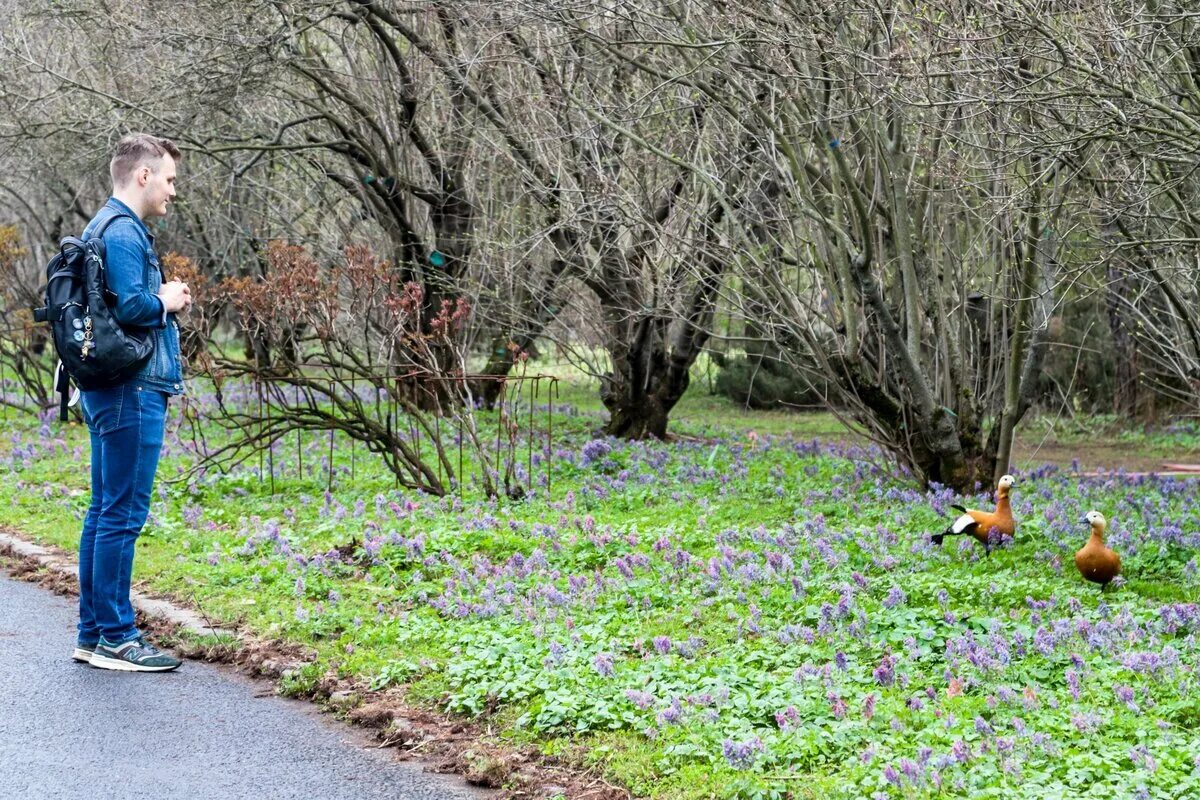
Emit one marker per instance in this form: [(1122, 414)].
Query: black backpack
[(93, 349)]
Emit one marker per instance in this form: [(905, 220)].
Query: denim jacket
[(134, 276)]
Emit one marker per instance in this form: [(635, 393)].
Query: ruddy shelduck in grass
[(980, 524)]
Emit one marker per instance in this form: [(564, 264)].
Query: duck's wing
[(964, 524)]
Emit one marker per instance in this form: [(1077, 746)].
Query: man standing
[(127, 422)]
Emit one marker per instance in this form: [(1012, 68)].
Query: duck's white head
[(1096, 520), (1006, 483)]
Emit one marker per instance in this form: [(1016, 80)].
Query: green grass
[(668, 604), (1176, 438)]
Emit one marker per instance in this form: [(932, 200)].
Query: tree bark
[(1125, 356)]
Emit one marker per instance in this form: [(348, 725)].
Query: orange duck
[(980, 524), (1096, 562)]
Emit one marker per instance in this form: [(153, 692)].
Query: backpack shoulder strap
[(97, 236), (103, 226)]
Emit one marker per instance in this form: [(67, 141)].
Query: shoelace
[(147, 648)]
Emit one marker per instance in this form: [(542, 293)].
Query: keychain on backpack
[(85, 336)]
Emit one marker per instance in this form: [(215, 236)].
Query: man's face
[(158, 186)]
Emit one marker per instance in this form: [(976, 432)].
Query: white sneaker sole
[(82, 656), (103, 662)]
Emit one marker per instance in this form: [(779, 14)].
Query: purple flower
[(623, 567), (836, 704), (1043, 641), (894, 598), (662, 644), (885, 673), (642, 700), (786, 718), (1125, 695), (603, 664), (741, 755), (671, 714), (595, 450), (1140, 756), (1073, 683)]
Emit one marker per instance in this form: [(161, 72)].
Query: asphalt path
[(68, 730)]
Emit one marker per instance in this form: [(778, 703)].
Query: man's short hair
[(135, 149)]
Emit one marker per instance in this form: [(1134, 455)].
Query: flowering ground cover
[(731, 614)]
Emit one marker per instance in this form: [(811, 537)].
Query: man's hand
[(175, 296)]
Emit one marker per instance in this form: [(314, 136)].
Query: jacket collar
[(117, 205)]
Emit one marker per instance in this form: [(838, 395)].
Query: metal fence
[(524, 410)]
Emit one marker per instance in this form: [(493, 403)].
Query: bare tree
[(899, 200)]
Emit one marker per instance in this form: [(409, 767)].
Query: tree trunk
[(640, 418), (641, 391), (1026, 273), (1125, 356)]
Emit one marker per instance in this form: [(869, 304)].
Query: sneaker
[(83, 652), (136, 655)]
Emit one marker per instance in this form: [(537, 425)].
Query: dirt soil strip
[(1102, 459), (441, 743)]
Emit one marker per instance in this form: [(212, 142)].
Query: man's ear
[(143, 176)]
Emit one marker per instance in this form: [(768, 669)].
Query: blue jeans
[(126, 424)]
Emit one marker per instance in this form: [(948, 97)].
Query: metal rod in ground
[(333, 414), (299, 449), (270, 446), (534, 391), (499, 424), (262, 464), (437, 437), (551, 393), (414, 437), (353, 440), (516, 427), (375, 386), (394, 433)]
